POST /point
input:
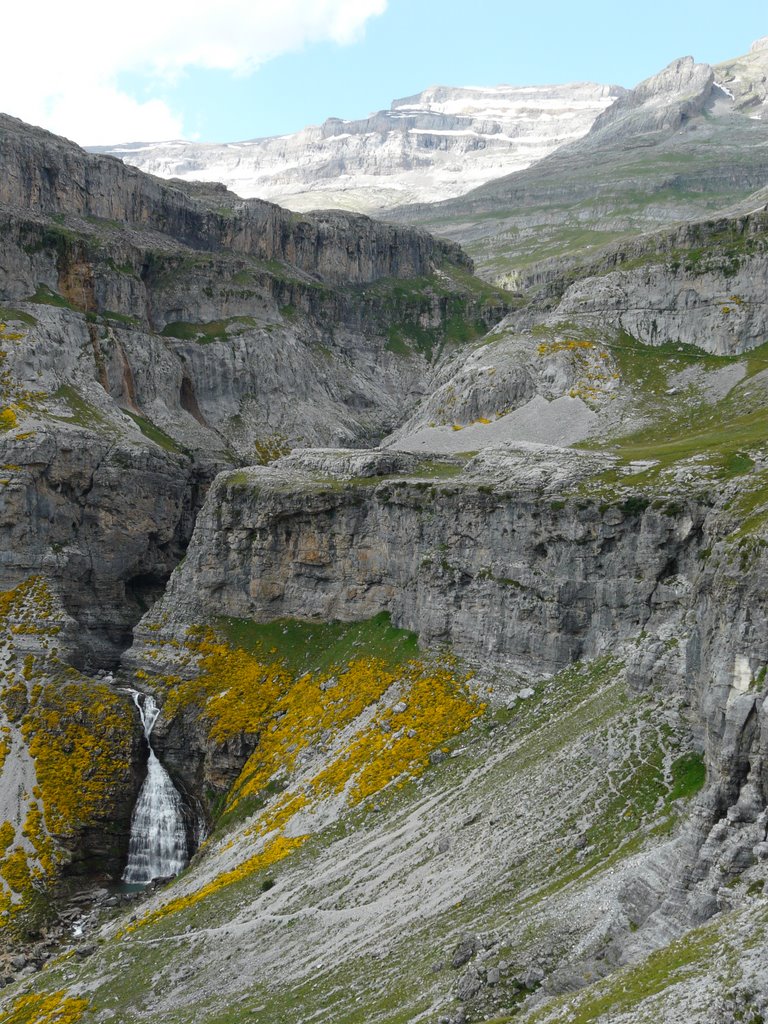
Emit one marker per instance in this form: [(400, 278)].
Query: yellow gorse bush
[(234, 690), (314, 706), (398, 742), (350, 731), (78, 732), (275, 850), (13, 397), (51, 1008)]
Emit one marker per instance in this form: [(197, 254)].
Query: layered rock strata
[(151, 334), (438, 143)]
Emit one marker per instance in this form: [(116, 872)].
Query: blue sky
[(485, 42), (243, 70)]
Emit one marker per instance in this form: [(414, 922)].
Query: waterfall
[(158, 846)]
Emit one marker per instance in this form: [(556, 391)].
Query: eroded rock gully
[(107, 521)]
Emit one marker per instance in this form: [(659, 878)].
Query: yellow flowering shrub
[(314, 705), (567, 345), (399, 743), (15, 871), (274, 850), (8, 420), (78, 732), (7, 835), (234, 690), (47, 1008), (35, 832), (5, 744), (353, 729)]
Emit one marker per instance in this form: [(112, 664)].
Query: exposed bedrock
[(519, 564), (105, 521), (47, 175), (495, 567), (702, 284), (722, 663)]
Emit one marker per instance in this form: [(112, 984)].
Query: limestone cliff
[(479, 561), (700, 284), (151, 333)]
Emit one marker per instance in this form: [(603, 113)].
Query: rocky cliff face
[(48, 176), (701, 284), (436, 144), (107, 519), (664, 101), (745, 80), (480, 562), (151, 333)]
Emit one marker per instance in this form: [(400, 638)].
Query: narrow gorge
[(380, 644)]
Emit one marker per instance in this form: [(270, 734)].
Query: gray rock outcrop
[(702, 284)]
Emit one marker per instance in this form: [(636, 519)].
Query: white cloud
[(60, 63)]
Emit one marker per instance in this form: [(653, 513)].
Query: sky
[(240, 69)]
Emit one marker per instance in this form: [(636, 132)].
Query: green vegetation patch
[(83, 413), (687, 958), (120, 318), (688, 776), (437, 470), (206, 333), (17, 315), (649, 366), (423, 314), (54, 238), (154, 433), (721, 438), (320, 646), (722, 433), (407, 335), (45, 296)]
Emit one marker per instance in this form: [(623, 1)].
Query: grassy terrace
[(725, 436), (207, 333), (154, 433), (317, 647)]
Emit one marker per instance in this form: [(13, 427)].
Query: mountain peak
[(663, 101), (759, 44)]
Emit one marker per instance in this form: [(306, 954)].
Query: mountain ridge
[(423, 146), (683, 145)]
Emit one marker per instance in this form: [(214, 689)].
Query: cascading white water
[(158, 846)]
